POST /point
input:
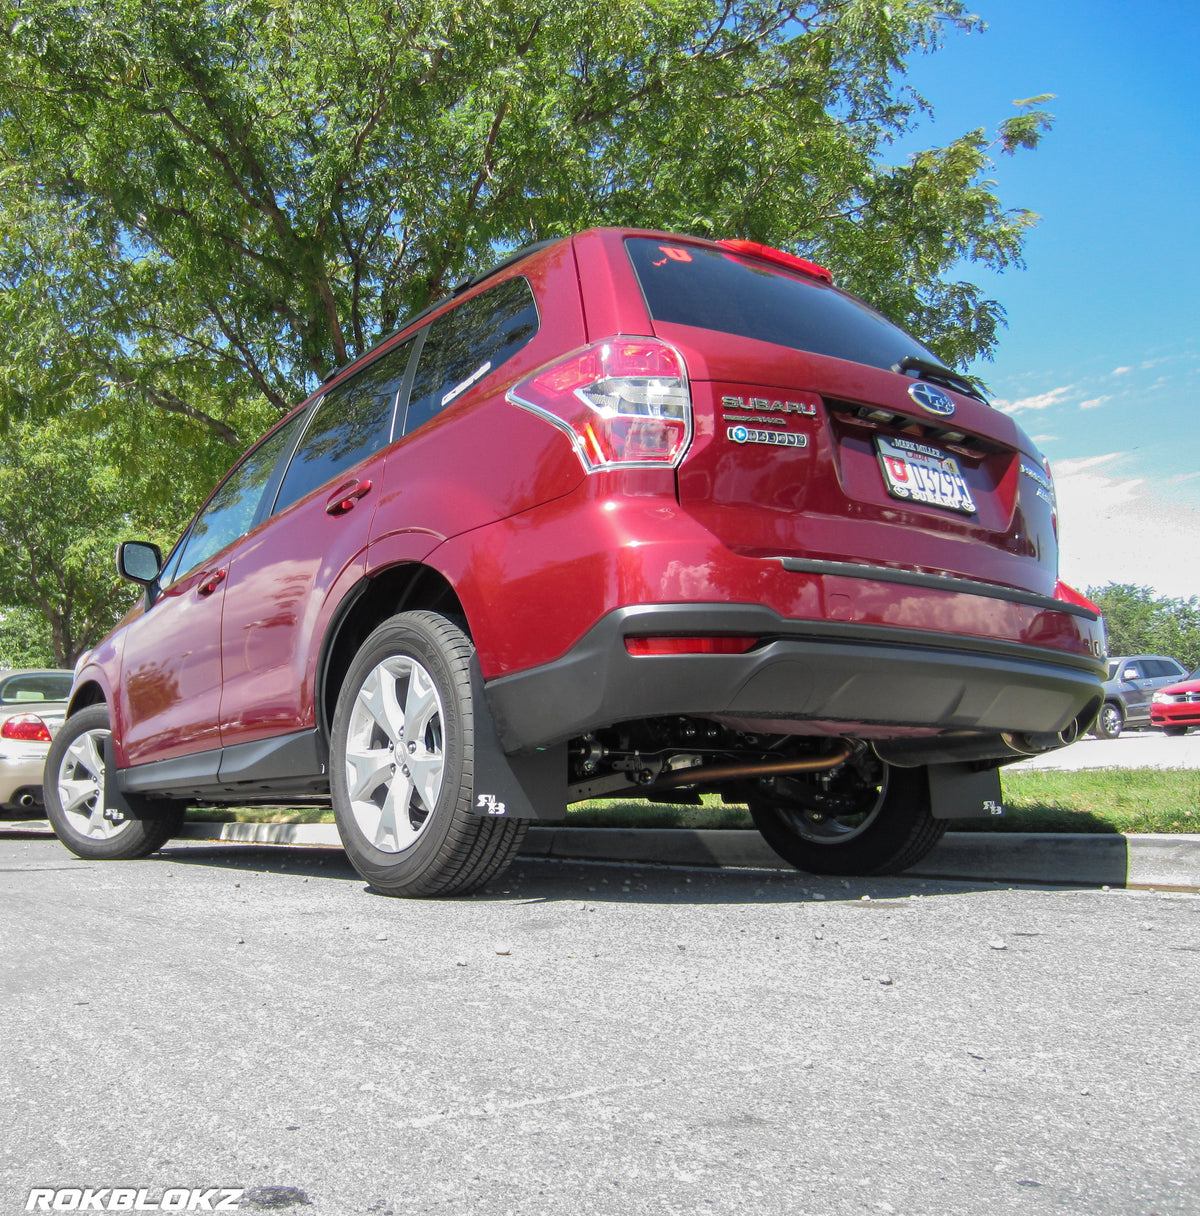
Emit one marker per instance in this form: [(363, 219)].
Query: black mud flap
[(958, 791), (116, 805), (524, 785)]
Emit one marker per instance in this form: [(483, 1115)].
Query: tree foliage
[(207, 206), (65, 502), (1138, 622)]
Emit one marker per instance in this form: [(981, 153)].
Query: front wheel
[(1110, 722), (867, 818), (74, 793), (402, 763), (1174, 731)]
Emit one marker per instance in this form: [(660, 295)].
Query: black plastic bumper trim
[(286, 765), (935, 582), (823, 671)]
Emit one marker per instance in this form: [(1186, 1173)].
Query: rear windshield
[(708, 288), (28, 687)]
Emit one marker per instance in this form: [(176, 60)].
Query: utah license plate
[(920, 473)]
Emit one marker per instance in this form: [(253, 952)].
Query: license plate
[(917, 472)]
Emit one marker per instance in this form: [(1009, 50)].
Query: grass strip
[(1093, 801)]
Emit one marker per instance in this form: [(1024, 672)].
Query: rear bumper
[(21, 772), (805, 677)]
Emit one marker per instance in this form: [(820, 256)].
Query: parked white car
[(33, 703)]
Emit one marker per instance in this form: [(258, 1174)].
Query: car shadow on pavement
[(543, 880)]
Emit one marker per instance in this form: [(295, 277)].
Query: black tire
[(870, 818), (1174, 731), (1109, 722), (402, 762), (74, 778)]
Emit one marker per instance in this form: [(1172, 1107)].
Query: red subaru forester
[(630, 515)]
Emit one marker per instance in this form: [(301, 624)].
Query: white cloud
[(1121, 371), (1040, 401), (1092, 402), (1116, 529)]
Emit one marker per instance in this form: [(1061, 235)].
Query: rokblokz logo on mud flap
[(133, 1199)]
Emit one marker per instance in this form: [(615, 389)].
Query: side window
[(232, 510), (1132, 671), (1163, 669), (468, 343), (352, 420)]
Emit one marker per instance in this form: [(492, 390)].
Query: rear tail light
[(641, 647), (779, 257), (1068, 594), (27, 728), (623, 403)]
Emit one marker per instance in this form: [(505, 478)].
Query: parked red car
[(1174, 708), (631, 515)]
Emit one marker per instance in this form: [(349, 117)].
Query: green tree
[(24, 639), (207, 207), (1138, 622), (65, 502)]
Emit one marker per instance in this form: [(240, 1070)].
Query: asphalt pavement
[(593, 1039), (1132, 749)]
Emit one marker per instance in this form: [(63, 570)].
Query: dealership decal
[(779, 439), (459, 389)]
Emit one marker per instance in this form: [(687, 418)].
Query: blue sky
[(1100, 362)]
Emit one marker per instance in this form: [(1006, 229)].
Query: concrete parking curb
[(1125, 861), (1118, 861)]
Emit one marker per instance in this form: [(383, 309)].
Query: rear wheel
[(867, 818), (402, 763), (1110, 722), (74, 794)]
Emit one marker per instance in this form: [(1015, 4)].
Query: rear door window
[(469, 343), (724, 291), (353, 420)]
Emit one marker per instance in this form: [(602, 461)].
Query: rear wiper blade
[(926, 369)]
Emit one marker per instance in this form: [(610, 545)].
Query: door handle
[(345, 496), (211, 582)]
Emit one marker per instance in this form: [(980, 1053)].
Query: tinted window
[(468, 343), (691, 285), (1163, 668), (231, 511), (30, 686), (353, 420)]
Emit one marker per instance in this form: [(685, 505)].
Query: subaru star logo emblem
[(931, 398)]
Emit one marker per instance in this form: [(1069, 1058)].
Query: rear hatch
[(823, 431)]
